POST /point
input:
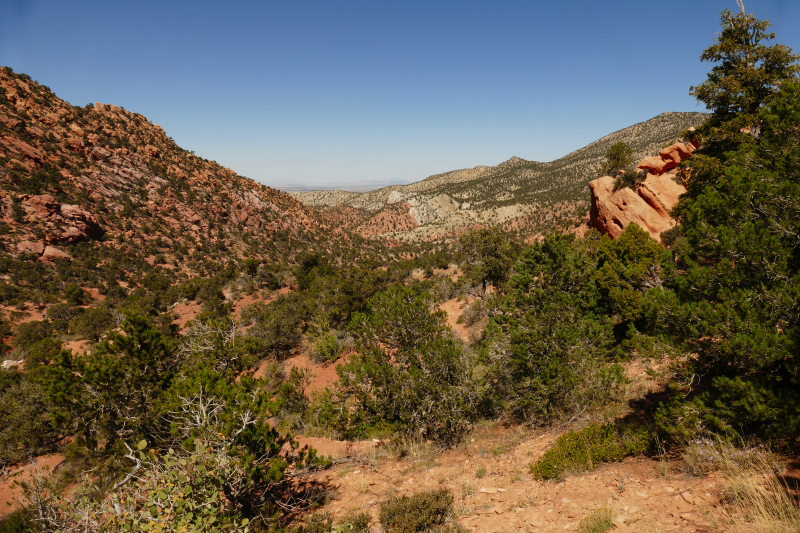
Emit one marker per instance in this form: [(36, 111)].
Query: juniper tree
[(746, 74), (618, 157)]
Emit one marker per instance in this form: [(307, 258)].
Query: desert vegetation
[(154, 357)]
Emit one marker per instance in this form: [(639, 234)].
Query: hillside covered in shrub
[(170, 425)]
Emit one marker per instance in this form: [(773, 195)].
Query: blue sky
[(322, 91)]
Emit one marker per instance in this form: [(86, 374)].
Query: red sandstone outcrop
[(51, 255), (649, 205), (67, 223), (151, 150), (31, 247), (655, 164)]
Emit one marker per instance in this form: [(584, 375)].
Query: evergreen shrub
[(426, 511), (579, 451)]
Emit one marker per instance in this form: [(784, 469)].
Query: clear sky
[(330, 91)]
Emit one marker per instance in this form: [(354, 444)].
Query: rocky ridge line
[(545, 196)]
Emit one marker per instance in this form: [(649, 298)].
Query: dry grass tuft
[(756, 493), (599, 521), (411, 447)]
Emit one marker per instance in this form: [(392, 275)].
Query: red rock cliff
[(649, 205)]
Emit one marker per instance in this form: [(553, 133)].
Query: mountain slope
[(526, 195), (71, 174)]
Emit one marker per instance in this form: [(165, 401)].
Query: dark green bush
[(668, 237), (358, 522), (8, 292), (25, 418), (410, 371), (630, 179), (426, 511), (19, 521), (42, 353), (549, 351), (92, 323), (75, 295), (626, 268), (578, 451), (28, 333), (618, 157)]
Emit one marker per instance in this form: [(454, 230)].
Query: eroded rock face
[(425, 210), (612, 210), (67, 223), (661, 193), (650, 204)]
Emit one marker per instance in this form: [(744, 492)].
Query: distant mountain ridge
[(545, 195), (345, 186)]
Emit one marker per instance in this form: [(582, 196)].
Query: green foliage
[(110, 395), (578, 451), (410, 370), (29, 333), (18, 521), (630, 178), (92, 322), (75, 295), (330, 345), (316, 523), (626, 267), (250, 266), (670, 237), (358, 522), (425, 511), (618, 157), (40, 353), (746, 74), (25, 418), (181, 492), (488, 256), (740, 286), (549, 347), (8, 292), (310, 266), (227, 474), (278, 326), (219, 344)]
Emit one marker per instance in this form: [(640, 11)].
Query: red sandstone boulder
[(648, 206), (99, 153), (71, 222), (654, 165), (43, 205), (661, 193), (612, 210), (676, 152), (21, 147), (31, 247), (81, 225), (51, 255), (76, 143)]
